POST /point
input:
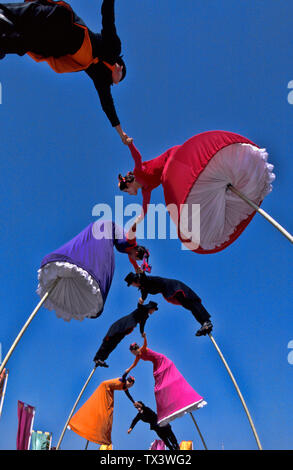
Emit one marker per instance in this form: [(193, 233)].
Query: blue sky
[(191, 66)]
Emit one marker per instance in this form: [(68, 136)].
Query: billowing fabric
[(158, 445), (26, 414), (94, 419), (104, 447), (199, 172), (84, 267), (186, 445), (174, 396), (41, 440)]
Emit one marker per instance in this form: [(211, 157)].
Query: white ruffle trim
[(182, 412), (221, 211), (76, 296)]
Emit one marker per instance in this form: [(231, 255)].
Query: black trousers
[(40, 27), (166, 434), (195, 306), (108, 345)]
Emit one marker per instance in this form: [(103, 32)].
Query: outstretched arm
[(146, 194), (142, 325), (129, 396), (108, 18), (145, 343), (134, 422), (134, 263), (136, 156), (106, 99), (103, 87), (136, 360)]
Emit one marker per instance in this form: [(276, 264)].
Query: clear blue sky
[(192, 66)]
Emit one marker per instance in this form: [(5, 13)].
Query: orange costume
[(94, 419)]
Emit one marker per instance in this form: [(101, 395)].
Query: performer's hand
[(140, 301), (129, 430), (126, 139), (143, 334)]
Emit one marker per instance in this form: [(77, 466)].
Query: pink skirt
[(174, 396)]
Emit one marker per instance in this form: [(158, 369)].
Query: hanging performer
[(174, 396), (175, 292), (84, 269), (94, 419), (51, 31), (121, 328), (196, 178), (145, 176), (147, 415)]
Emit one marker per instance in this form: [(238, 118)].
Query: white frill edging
[(76, 296), (221, 211), (178, 414)]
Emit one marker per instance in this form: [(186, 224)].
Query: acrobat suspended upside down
[(121, 328), (51, 31), (175, 292)]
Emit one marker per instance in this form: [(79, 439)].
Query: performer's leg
[(111, 43), (46, 29), (163, 433), (108, 345), (11, 41), (198, 311), (173, 440)]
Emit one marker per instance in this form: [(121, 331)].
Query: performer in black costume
[(147, 415), (121, 328), (51, 31), (175, 292)]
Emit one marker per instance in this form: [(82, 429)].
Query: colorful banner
[(41, 440), (186, 445), (26, 415), (3, 383)]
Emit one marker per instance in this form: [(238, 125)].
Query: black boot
[(100, 363), (205, 329)]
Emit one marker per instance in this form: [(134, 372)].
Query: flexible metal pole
[(238, 391), (74, 406), (29, 320), (261, 212), (87, 444), (3, 393), (198, 430)]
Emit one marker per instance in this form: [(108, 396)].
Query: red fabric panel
[(187, 163)]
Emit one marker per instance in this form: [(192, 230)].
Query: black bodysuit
[(49, 29)]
